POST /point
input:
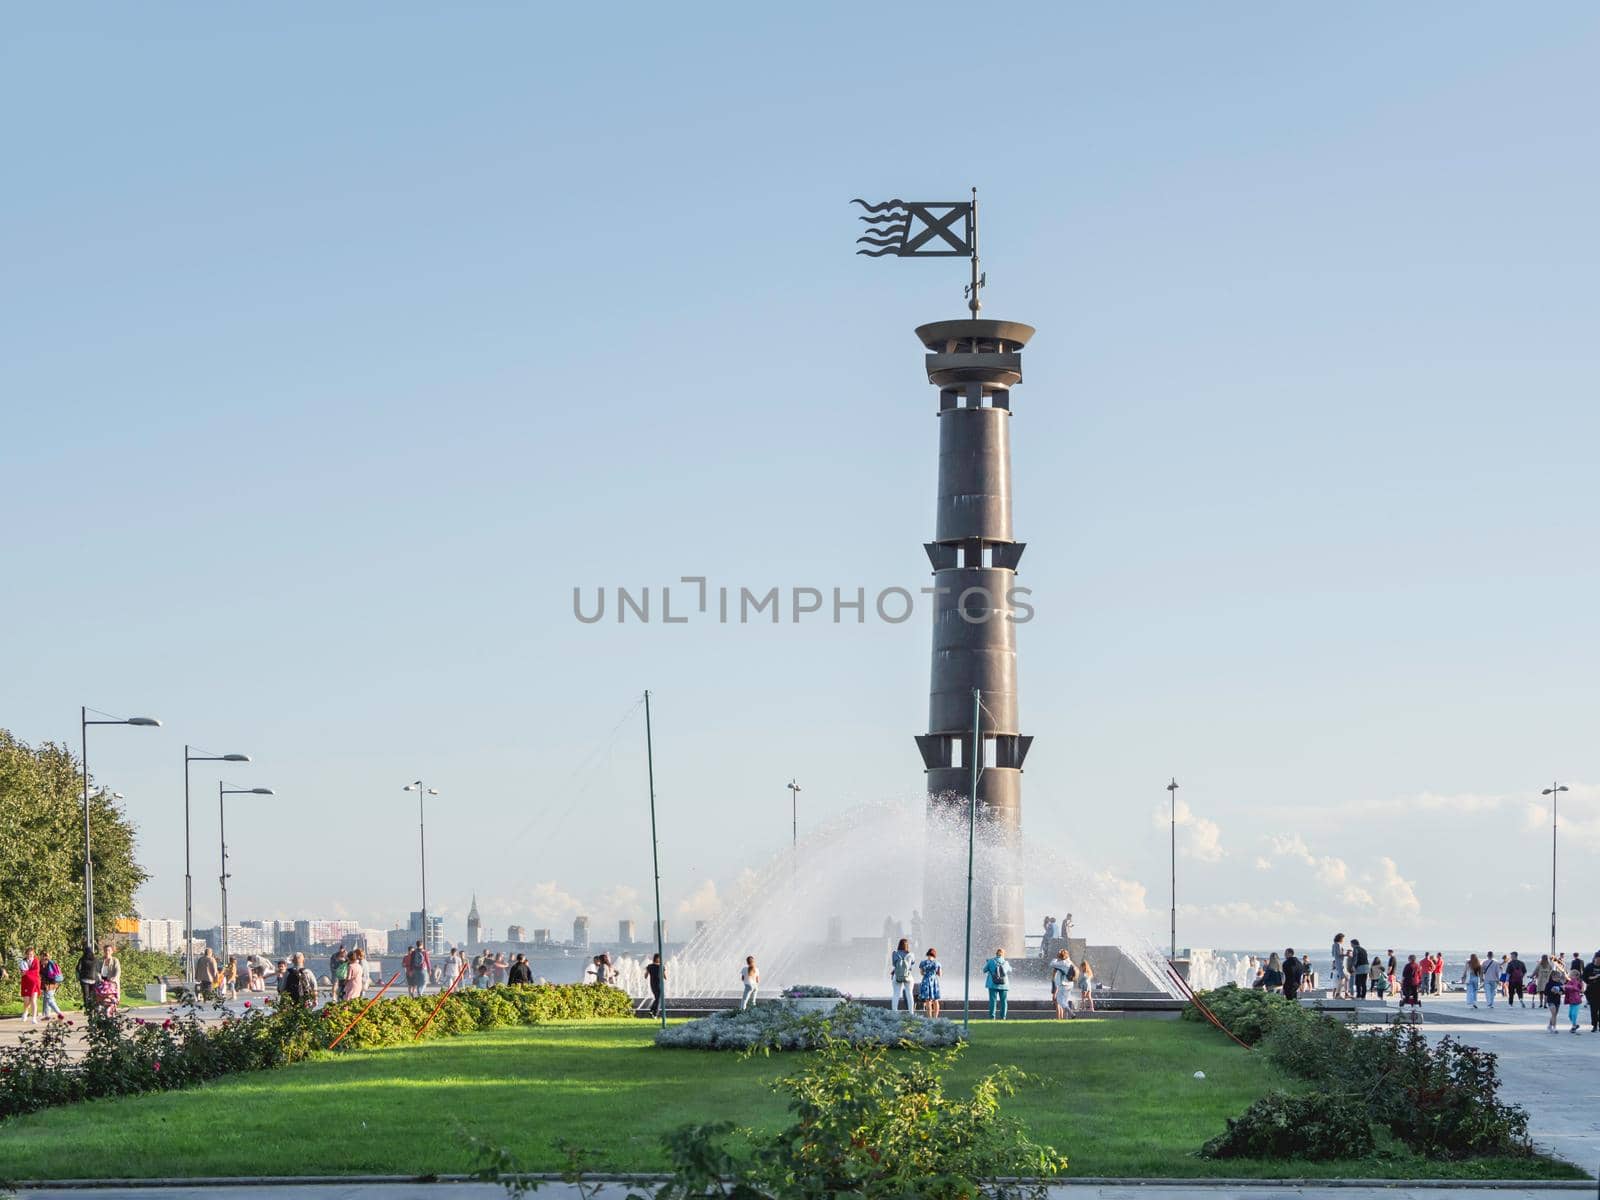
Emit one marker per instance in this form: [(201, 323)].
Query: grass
[(1117, 1096)]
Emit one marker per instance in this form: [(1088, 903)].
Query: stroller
[(106, 997)]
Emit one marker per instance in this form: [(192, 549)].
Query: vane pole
[(655, 856), (974, 304)]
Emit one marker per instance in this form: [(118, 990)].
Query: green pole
[(972, 821), (655, 855)]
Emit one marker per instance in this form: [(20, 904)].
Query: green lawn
[(1117, 1096)]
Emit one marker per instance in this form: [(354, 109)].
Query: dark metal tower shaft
[(975, 364)]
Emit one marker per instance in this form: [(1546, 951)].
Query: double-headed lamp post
[(188, 877), (88, 850), (794, 811), (422, 842), (222, 830), (1554, 792), (1172, 790)]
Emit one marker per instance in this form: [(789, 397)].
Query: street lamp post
[(222, 830), (188, 877), (794, 810), (88, 852), (422, 842), (1554, 792), (1172, 790)]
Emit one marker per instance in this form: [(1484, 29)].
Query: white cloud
[(543, 904), (1263, 864), (1328, 870), (1400, 893), (702, 903), (620, 901), (1126, 894), (1202, 837)]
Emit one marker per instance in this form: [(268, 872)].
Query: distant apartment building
[(541, 937), (580, 931), (161, 934), (625, 933), (435, 937), (517, 934)]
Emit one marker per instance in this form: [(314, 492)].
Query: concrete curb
[(1586, 1186)]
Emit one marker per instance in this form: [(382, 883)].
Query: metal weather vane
[(926, 229)]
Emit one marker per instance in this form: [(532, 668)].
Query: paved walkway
[(1556, 1077), (618, 1191)]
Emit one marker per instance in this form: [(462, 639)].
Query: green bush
[(1249, 1013), (129, 1054), (1317, 1126), (1316, 1047)]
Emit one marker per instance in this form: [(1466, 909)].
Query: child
[(1572, 993)]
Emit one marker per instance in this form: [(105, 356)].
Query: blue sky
[(340, 346)]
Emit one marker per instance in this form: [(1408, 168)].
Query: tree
[(41, 853)]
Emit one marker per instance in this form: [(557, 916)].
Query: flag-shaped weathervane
[(925, 229)]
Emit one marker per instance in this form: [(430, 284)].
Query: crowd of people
[(41, 976), (1558, 983)]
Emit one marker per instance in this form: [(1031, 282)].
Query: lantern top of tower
[(973, 336)]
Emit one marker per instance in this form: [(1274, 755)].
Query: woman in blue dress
[(928, 989)]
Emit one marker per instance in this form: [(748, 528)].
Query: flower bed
[(813, 991), (127, 1054), (785, 1027)]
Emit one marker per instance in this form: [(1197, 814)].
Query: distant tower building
[(473, 923), (541, 937), (975, 364), (661, 932), (580, 931), (625, 933), (516, 933)]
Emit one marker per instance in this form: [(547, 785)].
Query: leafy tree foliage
[(41, 855)]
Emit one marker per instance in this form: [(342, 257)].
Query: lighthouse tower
[(975, 364)]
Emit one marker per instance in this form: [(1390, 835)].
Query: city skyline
[(316, 423)]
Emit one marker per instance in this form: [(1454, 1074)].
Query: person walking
[(1085, 987), (300, 983), (1378, 977), (1591, 990), (1062, 977), (1411, 977), (1541, 978), (1293, 972), (1339, 960), (900, 976), (1516, 978), (1049, 937), (928, 989), (1555, 987), (416, 966), (997, 978), (1472, 977), (750, 981), (28, 985), (655, 974), (88, 976), (50, 977), (1572, 992), (205, 974), (1360, 968), (355, 975), (110, 986), (1491, 979), (1272, 974), (520, 973)]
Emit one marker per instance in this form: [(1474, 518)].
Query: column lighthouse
[(974, 363)]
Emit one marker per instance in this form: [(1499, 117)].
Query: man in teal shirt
[(997, 978)]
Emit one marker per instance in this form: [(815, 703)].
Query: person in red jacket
[(29, 985), (1411, 982)]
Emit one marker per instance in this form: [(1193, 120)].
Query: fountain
[(829, 910)]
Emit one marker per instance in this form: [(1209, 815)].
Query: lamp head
[(433, 791), (143, 721), (262, 792), (235, 758)]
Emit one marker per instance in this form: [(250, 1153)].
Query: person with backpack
[(299, 984), (1294, 971), (997, 978), (1555, 986), (416, 964), (50, 977), (1360, 968), (1063, 974), (900, 976), (1411, 977), (1516, 976)]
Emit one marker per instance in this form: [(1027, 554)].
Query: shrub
[(1316, 1126), (866, 1124), (1440, 1099), (1316, 1047), (1249, 1013), (765, 1027), (129, 1054)]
